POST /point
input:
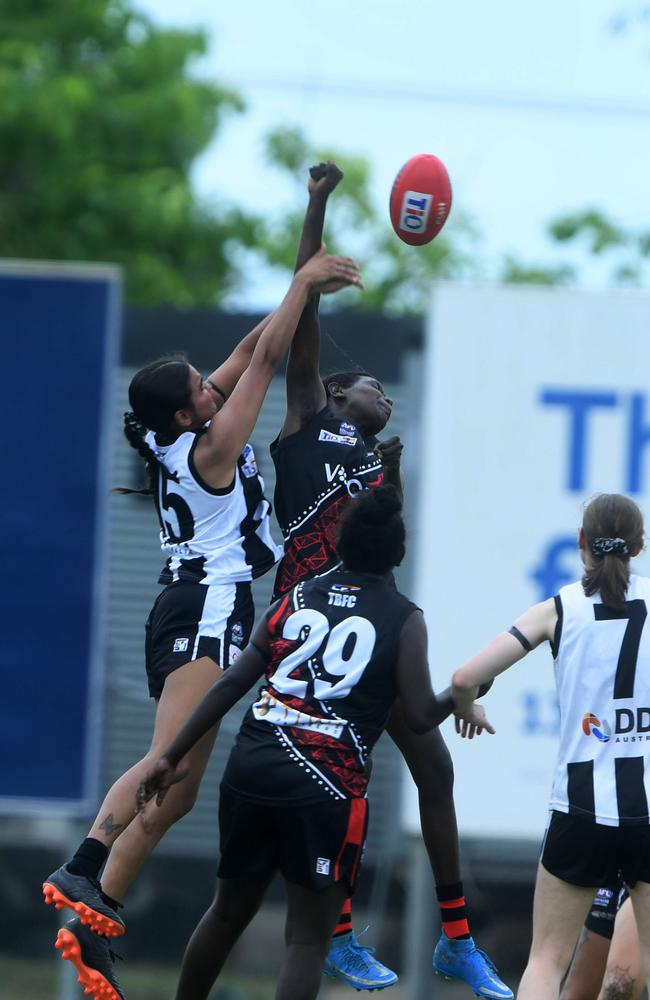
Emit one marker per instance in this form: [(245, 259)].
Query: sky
[(536, 108)]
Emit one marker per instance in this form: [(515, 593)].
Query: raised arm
[(305, 392), (422, 708), (529, 630), (218, 449)]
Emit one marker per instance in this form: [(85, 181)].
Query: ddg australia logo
[(631, 725), (591, 725)]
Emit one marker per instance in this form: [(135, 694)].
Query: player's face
[(367, 405), (203, 399)]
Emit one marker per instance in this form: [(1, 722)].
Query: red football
[(420, 199)]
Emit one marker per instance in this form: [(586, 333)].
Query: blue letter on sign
[(550, 575), (578, 403), (638, 439)]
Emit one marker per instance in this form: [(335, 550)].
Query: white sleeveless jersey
[(602, 674), (211, 536)]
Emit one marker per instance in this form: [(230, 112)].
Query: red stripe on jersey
[(273, 620)]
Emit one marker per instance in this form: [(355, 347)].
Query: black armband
[(215, 387), (520, 637), (266, 656)]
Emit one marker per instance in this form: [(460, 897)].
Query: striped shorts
[(190, 620)]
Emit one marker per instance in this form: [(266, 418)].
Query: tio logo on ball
[(415, 211)]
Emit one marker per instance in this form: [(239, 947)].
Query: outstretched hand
[(327, 273), (323, 178), (157, 781), (473, 722)]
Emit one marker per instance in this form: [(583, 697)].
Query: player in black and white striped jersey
[(599, 824), (214, 529)]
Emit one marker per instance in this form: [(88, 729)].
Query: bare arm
[(422, 708), (305, 392), (535, 625), (226, 692), (218, 449)]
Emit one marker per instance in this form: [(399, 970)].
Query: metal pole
[(422, 924), (67, 977)]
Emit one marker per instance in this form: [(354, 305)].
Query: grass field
[(25, 980)]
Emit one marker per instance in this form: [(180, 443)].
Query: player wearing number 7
[(599, 826)]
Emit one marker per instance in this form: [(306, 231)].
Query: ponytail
[(613, 530), (134, 432), (156, 392)]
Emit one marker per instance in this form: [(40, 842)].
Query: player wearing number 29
[(335, 653), (599, 825), (192, 433)]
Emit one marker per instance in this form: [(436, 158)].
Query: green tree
[(515, 272), (397, 277), (626, 251), (100, 122)]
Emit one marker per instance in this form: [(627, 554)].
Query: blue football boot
[(459, 958), (355, 965)]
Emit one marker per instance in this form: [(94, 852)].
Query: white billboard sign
[(533, 401)]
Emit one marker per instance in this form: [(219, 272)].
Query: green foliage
[(100, 122), (514, 272), (627, 249), (397, 277)]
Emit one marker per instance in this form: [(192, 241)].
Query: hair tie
[(609, 547), (131, 421)]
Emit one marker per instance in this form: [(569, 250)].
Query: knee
[(178, 803)]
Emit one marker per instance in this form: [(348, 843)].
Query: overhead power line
[(412, 93)]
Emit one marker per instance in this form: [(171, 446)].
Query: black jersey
[(330, 687), (317, 470)]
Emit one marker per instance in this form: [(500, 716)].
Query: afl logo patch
[(249, 465)]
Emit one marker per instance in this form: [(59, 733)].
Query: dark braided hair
[(613, 527), (371, 532), (134, 432), (156, 392)]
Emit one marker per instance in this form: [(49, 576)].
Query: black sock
[(113, 903), (89, 858)]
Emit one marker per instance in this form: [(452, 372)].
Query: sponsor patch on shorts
[(322, 866), (181, 645)]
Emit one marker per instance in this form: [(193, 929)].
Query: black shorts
[(606, 904), (311, 845), (584, 853), (190, 620)]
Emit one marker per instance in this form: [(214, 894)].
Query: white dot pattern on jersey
[(330, 491)]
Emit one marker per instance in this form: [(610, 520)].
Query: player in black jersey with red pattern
[(335, 652), (326, 451), (214, 530)]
